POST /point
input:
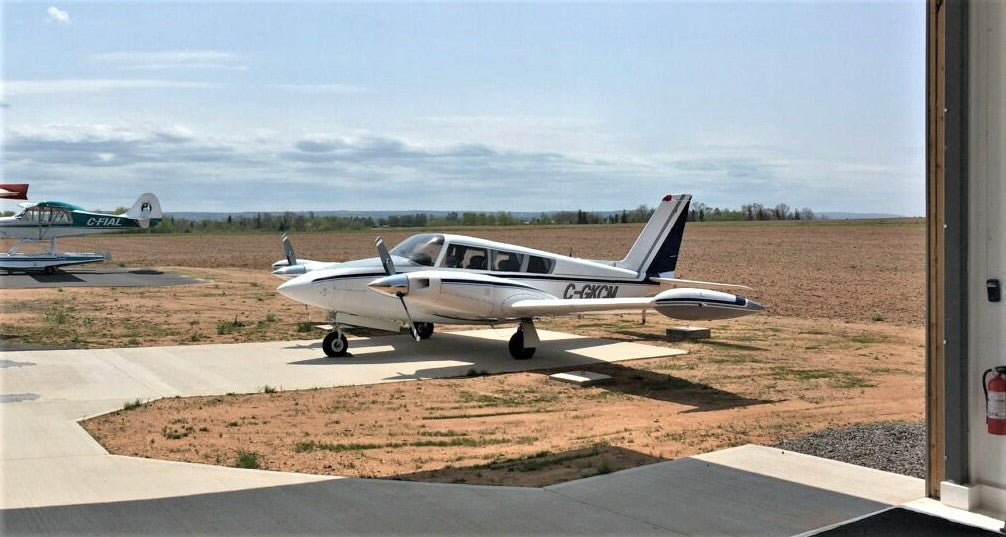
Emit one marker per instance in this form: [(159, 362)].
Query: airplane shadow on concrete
[(573, 464), (486, 356), (58, 277)]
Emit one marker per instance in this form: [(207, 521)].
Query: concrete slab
[(687, 333), (99, 277), (824, 474), (43, 448), (57, 480), (580, 378)]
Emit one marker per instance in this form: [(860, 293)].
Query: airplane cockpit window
[(507, 261), (45, 215), (422, 249), (539, 265), (464, 256)]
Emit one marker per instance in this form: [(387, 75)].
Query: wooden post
[(935, 244)]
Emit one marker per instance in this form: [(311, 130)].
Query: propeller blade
[(382, 252), (412, 325), (291, 258)]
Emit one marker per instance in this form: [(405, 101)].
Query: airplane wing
[(467, 295), (685, 304), (559, 306)]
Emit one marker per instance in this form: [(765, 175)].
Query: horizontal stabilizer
[(17, 191), (700, 282)]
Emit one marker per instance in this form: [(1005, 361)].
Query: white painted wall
[(987, 230)]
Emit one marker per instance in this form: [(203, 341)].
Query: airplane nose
[(396, 285), (294, 288), (753, 306)]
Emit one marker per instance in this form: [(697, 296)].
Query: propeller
[(291, 258), (393, 284)]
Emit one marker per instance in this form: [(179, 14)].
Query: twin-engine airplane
[(45, 221), (453, 279)]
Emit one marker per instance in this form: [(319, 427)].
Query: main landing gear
[(424, 330), (525, 341)]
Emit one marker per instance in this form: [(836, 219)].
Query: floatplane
[(39, 224), (439, 278)]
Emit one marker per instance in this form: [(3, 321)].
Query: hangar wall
[(986, 150)]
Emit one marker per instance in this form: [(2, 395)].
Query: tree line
[(309, 221)]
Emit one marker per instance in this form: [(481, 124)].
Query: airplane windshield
[(45, 215), (422, 249)]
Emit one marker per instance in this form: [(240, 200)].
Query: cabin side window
[(540, 265), (467, 257), (507, 261)]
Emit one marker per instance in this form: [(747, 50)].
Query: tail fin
[(655, 252), (17, 191), (146, 209)]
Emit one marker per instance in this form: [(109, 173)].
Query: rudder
[(655, 252), (147, 210)]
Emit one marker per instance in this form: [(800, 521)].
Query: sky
[(271, 106)]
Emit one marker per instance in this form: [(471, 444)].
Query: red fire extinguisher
[(995, 399)]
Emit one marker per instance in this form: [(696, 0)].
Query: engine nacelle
[(463, 295), (703, 305)]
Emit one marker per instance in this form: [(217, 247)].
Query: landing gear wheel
[(517, 348), (425, 330), (50, 270), (335, 344)]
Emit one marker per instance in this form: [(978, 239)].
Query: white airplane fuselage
[(345, 288)]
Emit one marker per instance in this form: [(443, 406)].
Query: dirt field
[(842, 343)]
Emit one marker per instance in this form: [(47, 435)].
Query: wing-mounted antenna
[(389, 269)]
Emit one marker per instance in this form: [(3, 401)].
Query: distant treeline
[(291, 221), (309, 221)]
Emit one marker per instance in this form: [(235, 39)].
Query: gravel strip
[(898, 446)]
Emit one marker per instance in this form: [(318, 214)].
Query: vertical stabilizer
[(655, 252), (147, 210)]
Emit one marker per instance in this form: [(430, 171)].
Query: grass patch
[(485, 414), (458, 441), (303, 328), (268, 389), (132, 405), (248, 459), (229, 327)]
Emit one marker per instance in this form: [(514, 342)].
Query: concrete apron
[(57, 479)]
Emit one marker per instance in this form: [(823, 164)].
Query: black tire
[(335, 344), (517, 348), (425, 330), (50, 270)]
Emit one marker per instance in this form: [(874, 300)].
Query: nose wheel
[(524, 341), (335, 344)]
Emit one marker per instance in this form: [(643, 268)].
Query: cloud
[(171, 59), (54, 14), (94, 85), (326, 170)]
